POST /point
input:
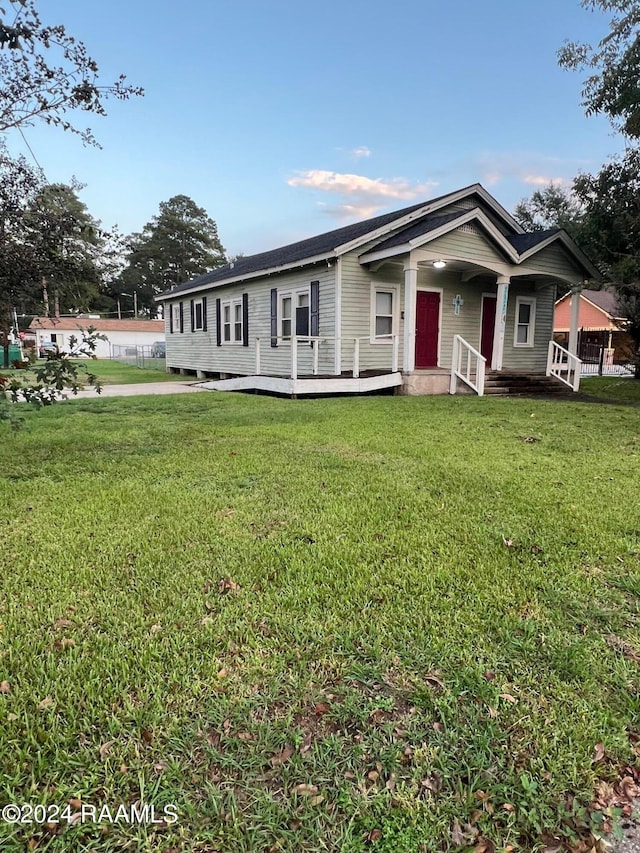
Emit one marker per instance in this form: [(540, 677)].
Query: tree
[(612, 87), (179, 243), (551, 207), (611, 232), (19, 186), (46, 74), (67, 243)]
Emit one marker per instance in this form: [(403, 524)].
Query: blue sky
[(284, 119)]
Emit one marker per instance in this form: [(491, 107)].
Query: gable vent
[(468, 228)]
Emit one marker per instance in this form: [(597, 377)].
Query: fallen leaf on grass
[(64, 643), (5, 687), (227, 585), (321, 708), (490, 675), (105, 749), (484, 846), (432, 783), (59, 624), (598, 753), (75, 803), (507, 542), (306, 790), (373, 775), (433, 679), (155, 628), (282, 757), (373, 836), (508, 698), (47, 702), (457, 836)]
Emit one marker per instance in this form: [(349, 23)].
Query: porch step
[(522, 384)]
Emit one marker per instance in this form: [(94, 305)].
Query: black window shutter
[(171, 318), (314, 325), (218, 324), (204, 313), (245, 319), (182, 317), (274, 316), (193, 319)]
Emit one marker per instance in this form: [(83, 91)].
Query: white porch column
[(410, 291), (573, 323), (502, 301)]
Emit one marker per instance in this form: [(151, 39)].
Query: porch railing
[(315, 343), (564, 365), (468, 365)]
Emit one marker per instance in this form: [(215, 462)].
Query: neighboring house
[(600, 325), (420, 299), (120, 334)]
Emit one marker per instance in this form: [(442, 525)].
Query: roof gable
[(341, 240)]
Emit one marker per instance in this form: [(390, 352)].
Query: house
[(429, 299), (600, 326), (121, 334)]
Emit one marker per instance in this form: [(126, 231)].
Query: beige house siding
[(554, 261), (469, 243), (198, 350), (529, 358)]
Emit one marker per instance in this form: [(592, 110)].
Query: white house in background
[(120, 334), (425, 300)]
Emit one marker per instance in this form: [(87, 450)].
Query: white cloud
[(543, 180), (362, 151), (352, 211), (359, 185)]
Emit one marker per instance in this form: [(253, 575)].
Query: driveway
[(136, 390)]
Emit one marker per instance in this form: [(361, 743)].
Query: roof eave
[(210, 285)]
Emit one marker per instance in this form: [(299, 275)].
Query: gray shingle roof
[(321, 245), (523, 242), (607, 300), (417, 229)]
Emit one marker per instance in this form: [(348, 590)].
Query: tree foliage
[(179, 243), (551, 207), (47, 74), (613, 66)]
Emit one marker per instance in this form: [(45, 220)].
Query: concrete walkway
[(135, 390)]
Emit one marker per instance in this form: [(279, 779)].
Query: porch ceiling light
[(439, 265)]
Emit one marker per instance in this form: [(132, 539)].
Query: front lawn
[(111, 372), (390, 624), (622, 389)]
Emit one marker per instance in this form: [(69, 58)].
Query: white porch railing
[(564, 365), (316, 342), (468, 365)]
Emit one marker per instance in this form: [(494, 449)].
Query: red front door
[(427, 322), (488, 325)]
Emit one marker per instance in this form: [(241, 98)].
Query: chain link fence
[(148, 358)]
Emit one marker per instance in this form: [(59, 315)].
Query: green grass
[(436, 614), (623, 389)]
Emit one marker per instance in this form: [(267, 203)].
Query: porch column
[(574, 321), (502, 300), (410, 290)]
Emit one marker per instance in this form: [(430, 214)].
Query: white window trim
[(199, 328), (231, 304), (292, 293), (378, 287), (525, 300), (175, 317)]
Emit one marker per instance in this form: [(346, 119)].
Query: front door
[(488, 326), (427, 322)]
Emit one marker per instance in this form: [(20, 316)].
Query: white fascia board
[(305, 262), (499, 210), (568, 243), (473, 214), (397, 224)]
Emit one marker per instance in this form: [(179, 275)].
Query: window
[(524, 322), (384, 310), (232, 321), (198, 315), (175, 317), (294, 313)]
